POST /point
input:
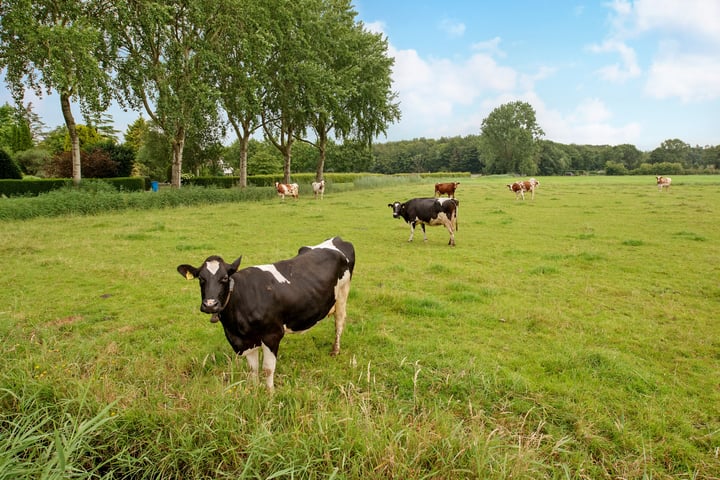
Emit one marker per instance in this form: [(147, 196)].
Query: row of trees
[(148, 152), (301, 70)]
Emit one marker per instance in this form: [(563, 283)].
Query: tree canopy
[(510, 136)]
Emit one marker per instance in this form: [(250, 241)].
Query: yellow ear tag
[(189, 275)]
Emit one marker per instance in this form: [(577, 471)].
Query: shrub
[(8, 167)]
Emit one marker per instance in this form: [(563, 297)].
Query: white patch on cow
[(213, 266), (279, 277), (444, 199), (328, 244)]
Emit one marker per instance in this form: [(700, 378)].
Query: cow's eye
[(225, 279)]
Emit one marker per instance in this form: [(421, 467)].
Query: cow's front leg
[(269, 362), (412, 231), (252, 356), (422, 225)]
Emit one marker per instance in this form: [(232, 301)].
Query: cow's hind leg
[(342, 291), (449, 225)]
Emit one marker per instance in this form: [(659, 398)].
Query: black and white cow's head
[(216, 284), (398, 209)]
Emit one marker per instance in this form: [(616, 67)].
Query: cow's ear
[(390, 205), (187, 271), (233, 268)]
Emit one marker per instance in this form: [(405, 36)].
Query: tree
[(237, 66), (289, 77), (162, 66), (352, 96), (670, 151), (510, 136), (136, 133), (57, 45)]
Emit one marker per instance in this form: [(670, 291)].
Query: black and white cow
[(258, 305), (428, 211)]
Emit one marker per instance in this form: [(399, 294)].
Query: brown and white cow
[(446, 189), (258, 305), (319, 189), (291, 189), (519, 188), (428, 211), (663, 182)]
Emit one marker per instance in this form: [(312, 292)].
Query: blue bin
[(154, 185)]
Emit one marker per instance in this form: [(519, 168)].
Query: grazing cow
[(524, 186), (319, 188), (258, 305), (518, 188), (283, 189), (428, 211), (446, 188), (663, 182)]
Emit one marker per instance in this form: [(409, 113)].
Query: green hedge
[(34, 187), (19, 188)]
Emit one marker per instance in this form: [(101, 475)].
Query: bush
[(8, 167), (615, 168)]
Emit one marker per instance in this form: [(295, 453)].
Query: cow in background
[(258, 305), (518, 188), (446, 189), (428, 211), (319, 189), (291, 189), (663, 182)]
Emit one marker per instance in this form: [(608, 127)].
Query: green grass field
[(573, 336)]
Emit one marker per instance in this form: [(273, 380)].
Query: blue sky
[(596, 72)]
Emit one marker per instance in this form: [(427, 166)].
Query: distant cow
[(258, 305), (519, 188), (283, 189), (319, 188), (446, 189), (428, 211), (663, 182)]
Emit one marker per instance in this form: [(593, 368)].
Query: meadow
[(571, 336)]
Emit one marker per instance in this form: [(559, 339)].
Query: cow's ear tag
[(189, 275)]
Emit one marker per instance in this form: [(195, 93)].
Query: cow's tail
[(457, 203)]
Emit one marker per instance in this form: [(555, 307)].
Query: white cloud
[(618, 72), (452, 28), (692, 78), (697, 18), (491, 47), (588, 124)]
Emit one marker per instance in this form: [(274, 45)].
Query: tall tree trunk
[(321, 146), (74, 139), (178, 144)]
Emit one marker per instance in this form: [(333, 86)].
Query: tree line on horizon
[(147, 152)]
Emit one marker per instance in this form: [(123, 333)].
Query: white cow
[(319, 188)]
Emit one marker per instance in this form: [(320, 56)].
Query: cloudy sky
[(596, 72)]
